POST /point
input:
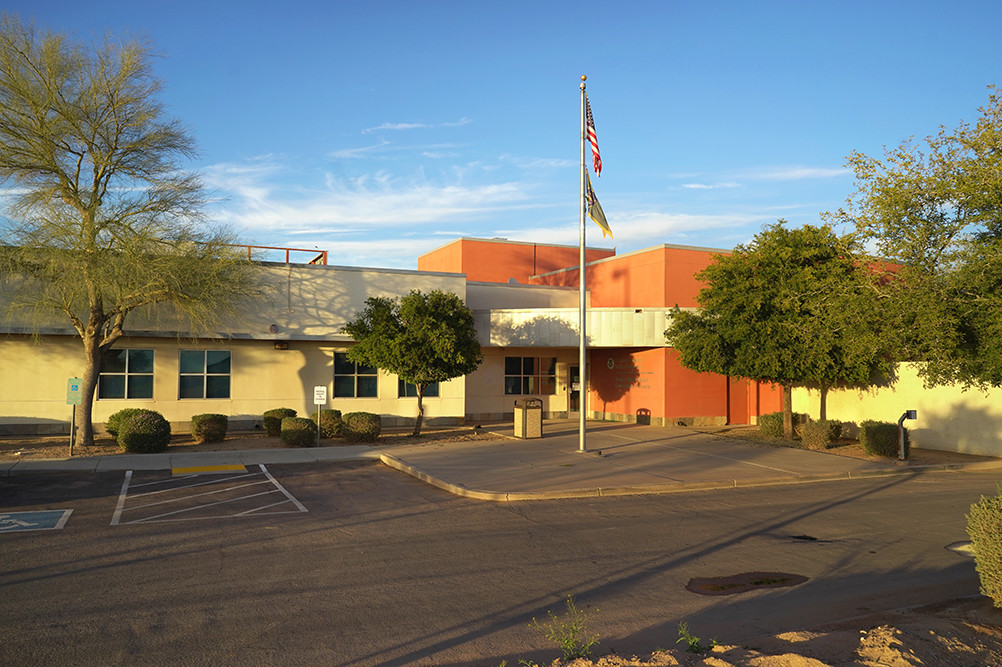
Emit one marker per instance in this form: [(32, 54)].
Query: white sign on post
[(320, 395)]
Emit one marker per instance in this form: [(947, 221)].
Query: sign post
[(74, 396), (319, 400)]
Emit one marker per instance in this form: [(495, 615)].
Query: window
[(204, 374), (353, 380), (530, 375), (126, 373), (408, 390)]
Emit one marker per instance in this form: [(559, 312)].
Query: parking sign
[(74, 391)]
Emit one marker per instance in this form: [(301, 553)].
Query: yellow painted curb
[(233, 467)]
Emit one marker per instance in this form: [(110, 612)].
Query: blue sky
[(379, 130)]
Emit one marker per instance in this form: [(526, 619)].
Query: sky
[(379, 130)]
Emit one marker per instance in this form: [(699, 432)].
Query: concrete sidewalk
[(623, 459), (620, 459)]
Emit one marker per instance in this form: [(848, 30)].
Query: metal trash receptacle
[(529, 418)]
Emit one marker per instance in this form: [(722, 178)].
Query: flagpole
[(582, 337)]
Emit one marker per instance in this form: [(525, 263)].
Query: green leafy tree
[(936, 208), (422, 338), (100, 217), (795, 307)]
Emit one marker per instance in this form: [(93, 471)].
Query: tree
[(422, 338), (100, 217), (937, 209), (794, 307)]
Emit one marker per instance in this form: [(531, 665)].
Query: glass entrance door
[(574, 387)]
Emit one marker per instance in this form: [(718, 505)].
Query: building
[(288, 340), (524, 296)]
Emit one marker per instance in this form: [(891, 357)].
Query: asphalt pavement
[(618, 459)]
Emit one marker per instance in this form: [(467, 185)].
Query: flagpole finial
[(584, 78)]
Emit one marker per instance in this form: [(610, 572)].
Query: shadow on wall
[(964, 429), (543, 331), (614, 382), (35, 426)]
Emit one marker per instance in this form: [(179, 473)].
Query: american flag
[(593, 139)]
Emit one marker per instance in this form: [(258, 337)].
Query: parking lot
[(220, 492), (222, 567)]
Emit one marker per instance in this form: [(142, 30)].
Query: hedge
[(984, 526), (820, 434), (145, 432), (771, 424), (298, 432), (273, 420), (881, 438), (330, 423), (115, 421), (361, 427), (209, 427)]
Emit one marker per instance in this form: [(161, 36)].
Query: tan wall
[(485, 397), (34, 376), (948, 418), (296, 301)]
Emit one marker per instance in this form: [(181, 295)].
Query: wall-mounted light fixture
[(281, 345)]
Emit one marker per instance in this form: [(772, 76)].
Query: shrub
[(881, 438), (273, 420), (361, 427), (298, 432), (771, 425), (330, 423), (209, 427), (145, 432), (820, 434), (115, 421), (984, 526)]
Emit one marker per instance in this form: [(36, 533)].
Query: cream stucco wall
[(33, 390), (948, 417), (485, 397)]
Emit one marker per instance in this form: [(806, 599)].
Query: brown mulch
[(16, 448)]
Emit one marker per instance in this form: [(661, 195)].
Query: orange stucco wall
[(627, 381), (496, 261), (660, 277)]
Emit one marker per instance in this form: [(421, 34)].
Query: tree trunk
[(823, 411), (92, 370), (420, 408), (788, 411)]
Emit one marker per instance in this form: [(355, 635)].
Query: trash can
[(529, 418)]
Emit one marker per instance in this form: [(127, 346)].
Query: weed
[(694, 643), (568, 631)]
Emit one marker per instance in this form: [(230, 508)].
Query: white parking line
[(148, 495)]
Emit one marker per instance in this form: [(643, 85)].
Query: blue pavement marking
[(12, 522)]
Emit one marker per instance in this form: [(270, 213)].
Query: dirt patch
[(962, 633), (58, 447)]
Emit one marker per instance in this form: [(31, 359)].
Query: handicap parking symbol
[(39, 520)]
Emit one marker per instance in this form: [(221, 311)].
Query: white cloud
[(360, 152), (414, 126), (795, 173), (257, 202), (710, 186)]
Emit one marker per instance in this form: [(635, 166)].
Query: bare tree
[(101, 218)]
